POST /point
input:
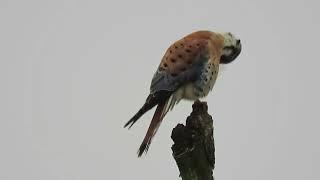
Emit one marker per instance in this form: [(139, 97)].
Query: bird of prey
[(188, 70)]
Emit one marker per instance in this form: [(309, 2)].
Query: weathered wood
[(193, 148)]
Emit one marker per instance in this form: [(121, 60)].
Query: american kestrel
[(188, 70)]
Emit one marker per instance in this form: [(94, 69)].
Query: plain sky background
[(73, 72)]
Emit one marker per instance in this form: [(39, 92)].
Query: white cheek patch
[(227, 51)]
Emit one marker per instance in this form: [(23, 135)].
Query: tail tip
[(126, 125), (130, 123), (143, 149)]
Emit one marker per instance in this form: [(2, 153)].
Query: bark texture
[(193, 148)]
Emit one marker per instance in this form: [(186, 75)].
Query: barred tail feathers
[(162, 109)]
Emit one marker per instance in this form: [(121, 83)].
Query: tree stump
[(193, 148)]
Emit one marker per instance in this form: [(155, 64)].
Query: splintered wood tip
[(199, 106)]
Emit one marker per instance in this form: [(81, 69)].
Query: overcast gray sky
[(73, 72)]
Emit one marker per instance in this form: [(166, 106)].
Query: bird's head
[(231, 48)]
